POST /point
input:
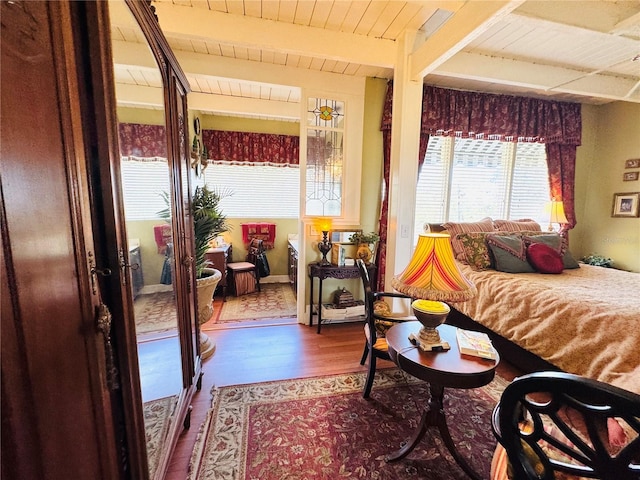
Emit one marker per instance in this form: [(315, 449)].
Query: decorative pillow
[(509, 252), (520, 225), (545, 259), (556, 242), (475, 251), (454, 228)]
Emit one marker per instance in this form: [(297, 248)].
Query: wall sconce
[(324, 224)]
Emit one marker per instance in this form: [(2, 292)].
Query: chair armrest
[(391, 294)]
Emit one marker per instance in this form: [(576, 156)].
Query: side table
[(441, 369), (316, 270)]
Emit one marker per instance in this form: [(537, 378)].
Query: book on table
[(474, 343)]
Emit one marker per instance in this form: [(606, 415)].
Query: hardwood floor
[(266, 353), (261, 353)]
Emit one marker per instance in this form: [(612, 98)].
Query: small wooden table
[(317, 270), (441, 369)]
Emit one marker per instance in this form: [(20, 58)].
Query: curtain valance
[(143, 141), (252, 148), (504, 117)]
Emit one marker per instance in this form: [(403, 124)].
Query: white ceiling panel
[(585, 51)]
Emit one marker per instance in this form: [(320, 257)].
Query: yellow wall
[(152, 261), (611, 135)]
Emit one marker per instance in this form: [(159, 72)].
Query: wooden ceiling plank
[(253, 8), (466, 24), (321, 11), (389, 13), (505, 71), (270, 9), (181, 22), (287, 11), (218, 5), (403, 20), (370, 17), (222, 104), (353, 16), (339, 10), (235, 7), (304, 10)]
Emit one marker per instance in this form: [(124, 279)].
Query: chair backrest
[(568, 430), (369, 297), (255, 248)]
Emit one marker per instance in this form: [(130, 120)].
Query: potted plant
[(208, 223), (365, 242), (597, 260)]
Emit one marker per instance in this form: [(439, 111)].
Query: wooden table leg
[(319, 305), (433, 416), (311, 303)]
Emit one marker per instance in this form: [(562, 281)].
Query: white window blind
[(143, 183), (257, 191), (464, 180)]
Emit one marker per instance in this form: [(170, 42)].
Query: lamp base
[(429, 345)]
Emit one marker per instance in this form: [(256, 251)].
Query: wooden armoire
[(72, 405)]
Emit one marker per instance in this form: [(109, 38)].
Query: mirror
[(147, 194), (342, 236)]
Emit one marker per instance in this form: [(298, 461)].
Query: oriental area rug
[(155, 312), (157, 420), (275, 300), (322, 428)]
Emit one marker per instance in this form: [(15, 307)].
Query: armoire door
[(72, 399), (57, 394)]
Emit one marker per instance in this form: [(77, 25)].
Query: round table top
[(448, 368)]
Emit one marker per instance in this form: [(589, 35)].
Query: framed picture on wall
[(626, 204), (630, 176), (632, 163)]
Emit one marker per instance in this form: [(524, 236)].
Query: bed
[(584, 320)]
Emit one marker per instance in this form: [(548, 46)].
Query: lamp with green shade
[(433, 278)]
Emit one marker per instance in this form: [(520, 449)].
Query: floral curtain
[(503, 117), (142, 141), (252, 148)]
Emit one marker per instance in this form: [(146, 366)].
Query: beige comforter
[(584, 321)]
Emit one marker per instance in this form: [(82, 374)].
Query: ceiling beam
[(132, 54), (224, 104), (550, 78), (464, 26), (195, 23)]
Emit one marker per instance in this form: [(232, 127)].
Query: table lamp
[(323, 224), (556, 213), (433, 278)]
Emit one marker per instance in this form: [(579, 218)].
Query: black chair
[(555, 425), (375, 326), (249, 267)]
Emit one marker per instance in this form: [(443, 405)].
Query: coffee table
[(448, 369)]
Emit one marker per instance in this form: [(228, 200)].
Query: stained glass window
[(325, 157)]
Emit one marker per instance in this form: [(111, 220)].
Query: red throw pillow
[(544, 258)]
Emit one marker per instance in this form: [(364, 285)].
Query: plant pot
[(364, 252), (206, 287)]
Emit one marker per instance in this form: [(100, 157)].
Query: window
[(325, 156), (143, 183), (464, 180), (257, 191)]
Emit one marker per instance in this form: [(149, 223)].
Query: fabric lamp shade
[(323, 224), (557, 212), (432, 273)]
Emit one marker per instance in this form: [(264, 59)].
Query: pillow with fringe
[(520, 225), (509, 253), (475, 251), (454, 228)]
